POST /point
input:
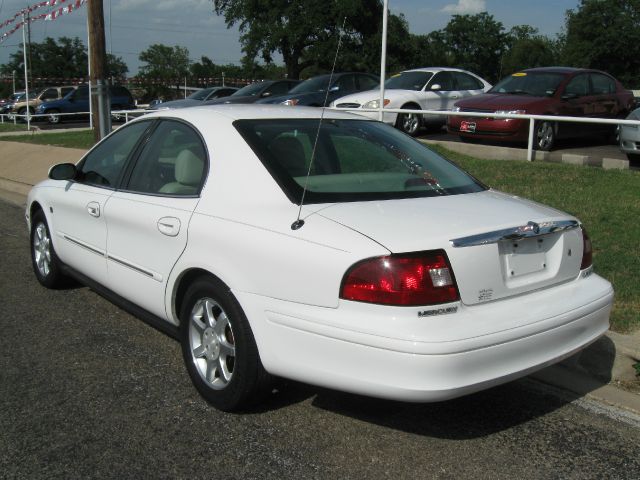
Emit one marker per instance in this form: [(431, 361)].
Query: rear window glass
[(354, 160)]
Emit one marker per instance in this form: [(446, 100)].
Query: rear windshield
[(355, 160), (538, 84)]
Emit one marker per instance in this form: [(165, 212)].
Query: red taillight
[(423, 278), (587, 250)]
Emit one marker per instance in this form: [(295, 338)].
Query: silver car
[(630, 138)]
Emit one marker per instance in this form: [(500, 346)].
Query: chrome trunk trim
[(531, 229)]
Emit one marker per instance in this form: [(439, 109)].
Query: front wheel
[(409, 123), (218, 347), (545, 136), (44, 260), (53, 116), (25, 112)]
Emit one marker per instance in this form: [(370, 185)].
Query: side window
[(66, 90), (367, 83), (467, 82), (49, 94), (346, 83), (104, 164), (278, 88), (82, 93), (578, 86), (444, 79), (173, 162), (601, 84)]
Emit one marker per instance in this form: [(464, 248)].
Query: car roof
[(559, 70), (435, 69), (242, 111)]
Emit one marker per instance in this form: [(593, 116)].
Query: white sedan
[(630, 138), (338, 252), (419, 89)]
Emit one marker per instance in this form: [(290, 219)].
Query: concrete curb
[(596, 372)]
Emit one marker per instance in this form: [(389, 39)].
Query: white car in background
[(630, 139), (373, 265), (418, 89)]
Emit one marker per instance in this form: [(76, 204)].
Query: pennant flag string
[(72, 6)]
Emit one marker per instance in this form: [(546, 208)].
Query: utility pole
[(101, 106)]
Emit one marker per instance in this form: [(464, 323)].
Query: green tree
[(605, 34), (163, 66), (527, 49), (476, 43), (305, 32), (62, 60)]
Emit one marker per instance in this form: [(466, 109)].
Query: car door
[(603, 90), (79, 210), (576, 101), (148, 218)]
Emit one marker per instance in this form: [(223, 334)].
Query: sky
[(131, 26)]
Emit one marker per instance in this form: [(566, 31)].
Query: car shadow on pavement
[(487, 412)]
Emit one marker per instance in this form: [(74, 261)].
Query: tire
[(634, 159), (218, 347), (24, 111), (409, 123), (545, 136), (44, 260), (53, 116)]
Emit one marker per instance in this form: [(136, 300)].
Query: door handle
[(94, 209), (169, 226)]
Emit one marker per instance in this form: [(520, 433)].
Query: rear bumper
[(309, 346)]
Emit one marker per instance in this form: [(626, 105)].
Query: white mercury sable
[(400, 276)]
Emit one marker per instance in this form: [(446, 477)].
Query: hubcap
[(42, 249), (545, 135), (410, 122), (212, 343)]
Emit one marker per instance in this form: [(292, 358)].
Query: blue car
[(77, 101)]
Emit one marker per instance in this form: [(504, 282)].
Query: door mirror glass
[(436, 87), (63, 171)]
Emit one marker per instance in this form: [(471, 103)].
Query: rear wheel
[(409, 123), (218, 347), (25, 112), (45, 262), (545, 136)]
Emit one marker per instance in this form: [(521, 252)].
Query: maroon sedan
[(563, 91)]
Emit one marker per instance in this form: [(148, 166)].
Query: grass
[(10, 127), (80, 139), (606, 201)]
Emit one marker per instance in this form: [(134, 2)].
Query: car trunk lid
[(498, 245)]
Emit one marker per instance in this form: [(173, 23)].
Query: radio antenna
[(299, 222)]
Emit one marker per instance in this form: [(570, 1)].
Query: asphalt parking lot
[(88, 391)]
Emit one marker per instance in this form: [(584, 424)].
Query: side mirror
[(335, 88), (436, 86), (265, 94), (569, 96), (63, 171)]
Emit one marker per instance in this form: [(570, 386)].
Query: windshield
[(315, 84), (355, 160), (200, 94), (250, 90), (537, 84), (408, 81)]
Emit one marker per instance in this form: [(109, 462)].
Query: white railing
[(532, 119), (15, 117)]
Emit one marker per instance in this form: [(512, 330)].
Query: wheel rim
[(409, 122), (54, 118), (212, 343), (545, 135), (42, 249)]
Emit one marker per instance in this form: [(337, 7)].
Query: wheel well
[(185, 282), (35, 207), (411, 106)]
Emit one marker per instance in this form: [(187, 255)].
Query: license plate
[(468, 126)]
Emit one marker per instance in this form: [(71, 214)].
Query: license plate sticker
[(467, 126)]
